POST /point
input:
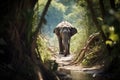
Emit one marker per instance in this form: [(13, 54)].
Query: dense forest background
[(27, 40), (65, 11)]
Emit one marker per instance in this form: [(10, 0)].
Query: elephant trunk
[(67, 49), (66, 43)]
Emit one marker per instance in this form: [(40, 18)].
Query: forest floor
[(65, 67), (64, 62)]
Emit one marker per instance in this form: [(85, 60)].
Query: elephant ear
[(73, 31), (57, 31)]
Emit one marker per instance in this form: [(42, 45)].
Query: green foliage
[(71, 11), (43, 48), (58, 6), (78, 38), (112, 36), (76, 12), (38, 9), (95, 54), (83, 24), (109, 20)]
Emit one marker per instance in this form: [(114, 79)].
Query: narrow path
[(64, 61), (71, 70)]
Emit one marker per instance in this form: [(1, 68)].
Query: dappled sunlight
[(86, 46), (69, 13), (60, 40)]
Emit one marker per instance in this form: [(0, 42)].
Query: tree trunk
[(16, 34), (89, 2), (102, 8)]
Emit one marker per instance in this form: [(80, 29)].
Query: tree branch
[(42, 17), (35, 34)]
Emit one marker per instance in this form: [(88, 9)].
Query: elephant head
[(64, 32)]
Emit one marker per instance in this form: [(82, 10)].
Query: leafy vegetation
[(22, 49), (74, 14), (43, 50), (96, 53), (107, 24)]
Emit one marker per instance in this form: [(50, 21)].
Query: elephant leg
[(68, 49), (60, 46)]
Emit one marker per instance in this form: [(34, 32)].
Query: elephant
[(64, 32)]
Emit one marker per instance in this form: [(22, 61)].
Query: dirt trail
[(64, 61), (68, 72)]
